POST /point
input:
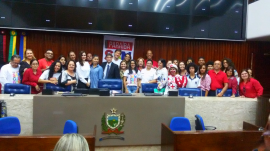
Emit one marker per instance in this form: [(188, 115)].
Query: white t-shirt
[(147, 75), (8, 74), (193, 83), (45, 75), (162, 77), (131, 78), (83, 71), (117, 62)]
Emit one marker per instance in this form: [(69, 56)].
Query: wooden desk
[(35, 143), (208, 140), (263, 110)]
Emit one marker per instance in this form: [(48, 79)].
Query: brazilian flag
[(12, 44)]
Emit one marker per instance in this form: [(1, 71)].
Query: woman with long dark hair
[(232, 81), (182, 69), (83, 71), (122, 68), (31, 76), (162, 74), (131, 78), (127, 59), (52, 74), (205, 80), (63, 61), (227, 62)]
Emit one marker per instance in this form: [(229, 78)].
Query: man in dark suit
[(110, 70)]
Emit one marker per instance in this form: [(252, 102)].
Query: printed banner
[(114, 42)]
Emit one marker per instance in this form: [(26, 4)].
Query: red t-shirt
[(29, 78), (251, 89), (43, 63), (155, 64), (232, 84), (217, 79)]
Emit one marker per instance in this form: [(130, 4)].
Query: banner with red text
[(111, 43)]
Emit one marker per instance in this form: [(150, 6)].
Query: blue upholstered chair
[(180, 124), (148, 87), (199, 124), (70, 127), (10, 126), (190, 91), (111, 84), (228, 93), (58, 87), (17, 88)]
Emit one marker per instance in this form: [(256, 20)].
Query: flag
[(12, 44), (22, 44), (3, 50)]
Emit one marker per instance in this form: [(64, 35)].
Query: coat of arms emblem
[(113, 123)]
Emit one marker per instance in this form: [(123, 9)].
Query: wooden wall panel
[(181, 49)]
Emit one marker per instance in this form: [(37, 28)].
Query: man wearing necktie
[(111, 70)]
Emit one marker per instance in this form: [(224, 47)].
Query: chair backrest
[(199, 124), (70, 127), (17, 88), (190, 91), (58, 87), (10, 125), (149, 87), (180, 124), (228, 93), (111, 84)]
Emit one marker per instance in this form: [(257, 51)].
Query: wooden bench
[(245, 140)]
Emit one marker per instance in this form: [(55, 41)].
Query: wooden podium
[(210, 140)]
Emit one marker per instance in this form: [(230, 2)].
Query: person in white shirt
[(10, 72), (116, 60), (148, 74), (83, 71), (131, 78), (193, 78), (52, 74), (162, 74)]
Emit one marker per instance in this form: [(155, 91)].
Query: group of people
[(170, 75)]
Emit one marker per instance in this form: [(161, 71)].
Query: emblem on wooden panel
[(112, 124)]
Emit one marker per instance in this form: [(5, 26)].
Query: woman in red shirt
[(232, 81), (31, 76), (249, 87)]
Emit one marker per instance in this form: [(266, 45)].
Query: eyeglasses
[(244, 89), (49, 53)]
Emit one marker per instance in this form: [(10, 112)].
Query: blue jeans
[(131, 89)]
